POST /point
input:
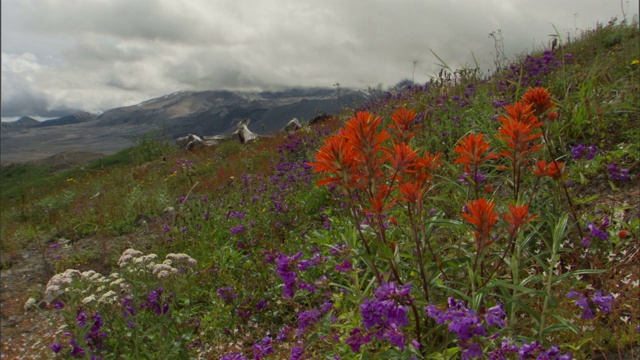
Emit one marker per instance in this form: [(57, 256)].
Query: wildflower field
[(471, 217)]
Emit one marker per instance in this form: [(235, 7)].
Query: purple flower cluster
[(297, 353), (262, 348), (618, 173), (94, 338), (580, 151), (285, 266), (599, 231), (233, 356), (227, 294), (306, 319), (466, 323), (531, 71), (154, 302), (602, 303), (384, 316), (467, 179), (527, 351), (237, 229)]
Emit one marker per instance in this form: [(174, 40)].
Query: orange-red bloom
[(472, 149), (336, 158), (522, 113), (362, 131), (412, 193), (552, 169), (518, 136), (517, 216), (481, 214), (403, 159), (540, 100), (402, 125)]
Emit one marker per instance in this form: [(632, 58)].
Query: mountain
[(76, 118), (24, 122), (204, 113), (217, 112)]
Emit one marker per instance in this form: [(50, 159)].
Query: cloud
[(99, 54)]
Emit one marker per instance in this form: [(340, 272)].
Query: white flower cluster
[(92, 287), (134, 261), (59, 282)]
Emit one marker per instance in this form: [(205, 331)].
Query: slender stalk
[(563, 185)]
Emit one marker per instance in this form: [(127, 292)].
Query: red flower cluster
[(360, 157)]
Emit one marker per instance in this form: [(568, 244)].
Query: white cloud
[(98, 54)]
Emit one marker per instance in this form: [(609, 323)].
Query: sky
[(60, 56)]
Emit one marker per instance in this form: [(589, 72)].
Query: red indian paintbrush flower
[(519, 136), (402, 125), (481, 214), (472, 149), (539, 99), (517, 216), (336, 158), (403, 159), (552, 169), (362, 131)]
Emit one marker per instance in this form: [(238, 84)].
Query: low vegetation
[(469, 217)]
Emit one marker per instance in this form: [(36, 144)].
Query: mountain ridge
[(204, 113)]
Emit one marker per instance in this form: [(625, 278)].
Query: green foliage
[(152, 146)]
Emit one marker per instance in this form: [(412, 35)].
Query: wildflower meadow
[(472, 217)]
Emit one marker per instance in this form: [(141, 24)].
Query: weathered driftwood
[(242, 133), (292, 126)]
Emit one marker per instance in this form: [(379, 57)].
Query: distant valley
[(184, 112)]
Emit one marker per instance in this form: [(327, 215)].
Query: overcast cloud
[(93, 55)]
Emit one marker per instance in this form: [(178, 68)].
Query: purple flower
[(344, 266), (233, 356), (579, 151), (326, 306), (237, 229), (296, 353), (282, 335), (618, 173), (262, 304), (465, 323), (81, 318), (599, 231), (55, 347), (126, 303), (603, 302), (305, 286), (77, 351), (284, 268), (586, 242), (495, 316), (473, 351), (395, 337), (308, 318), (58, 305), (153, 302), (227, 294), (358, 338), (262, 348)]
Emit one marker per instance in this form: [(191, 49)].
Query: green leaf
[(578, 272)]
